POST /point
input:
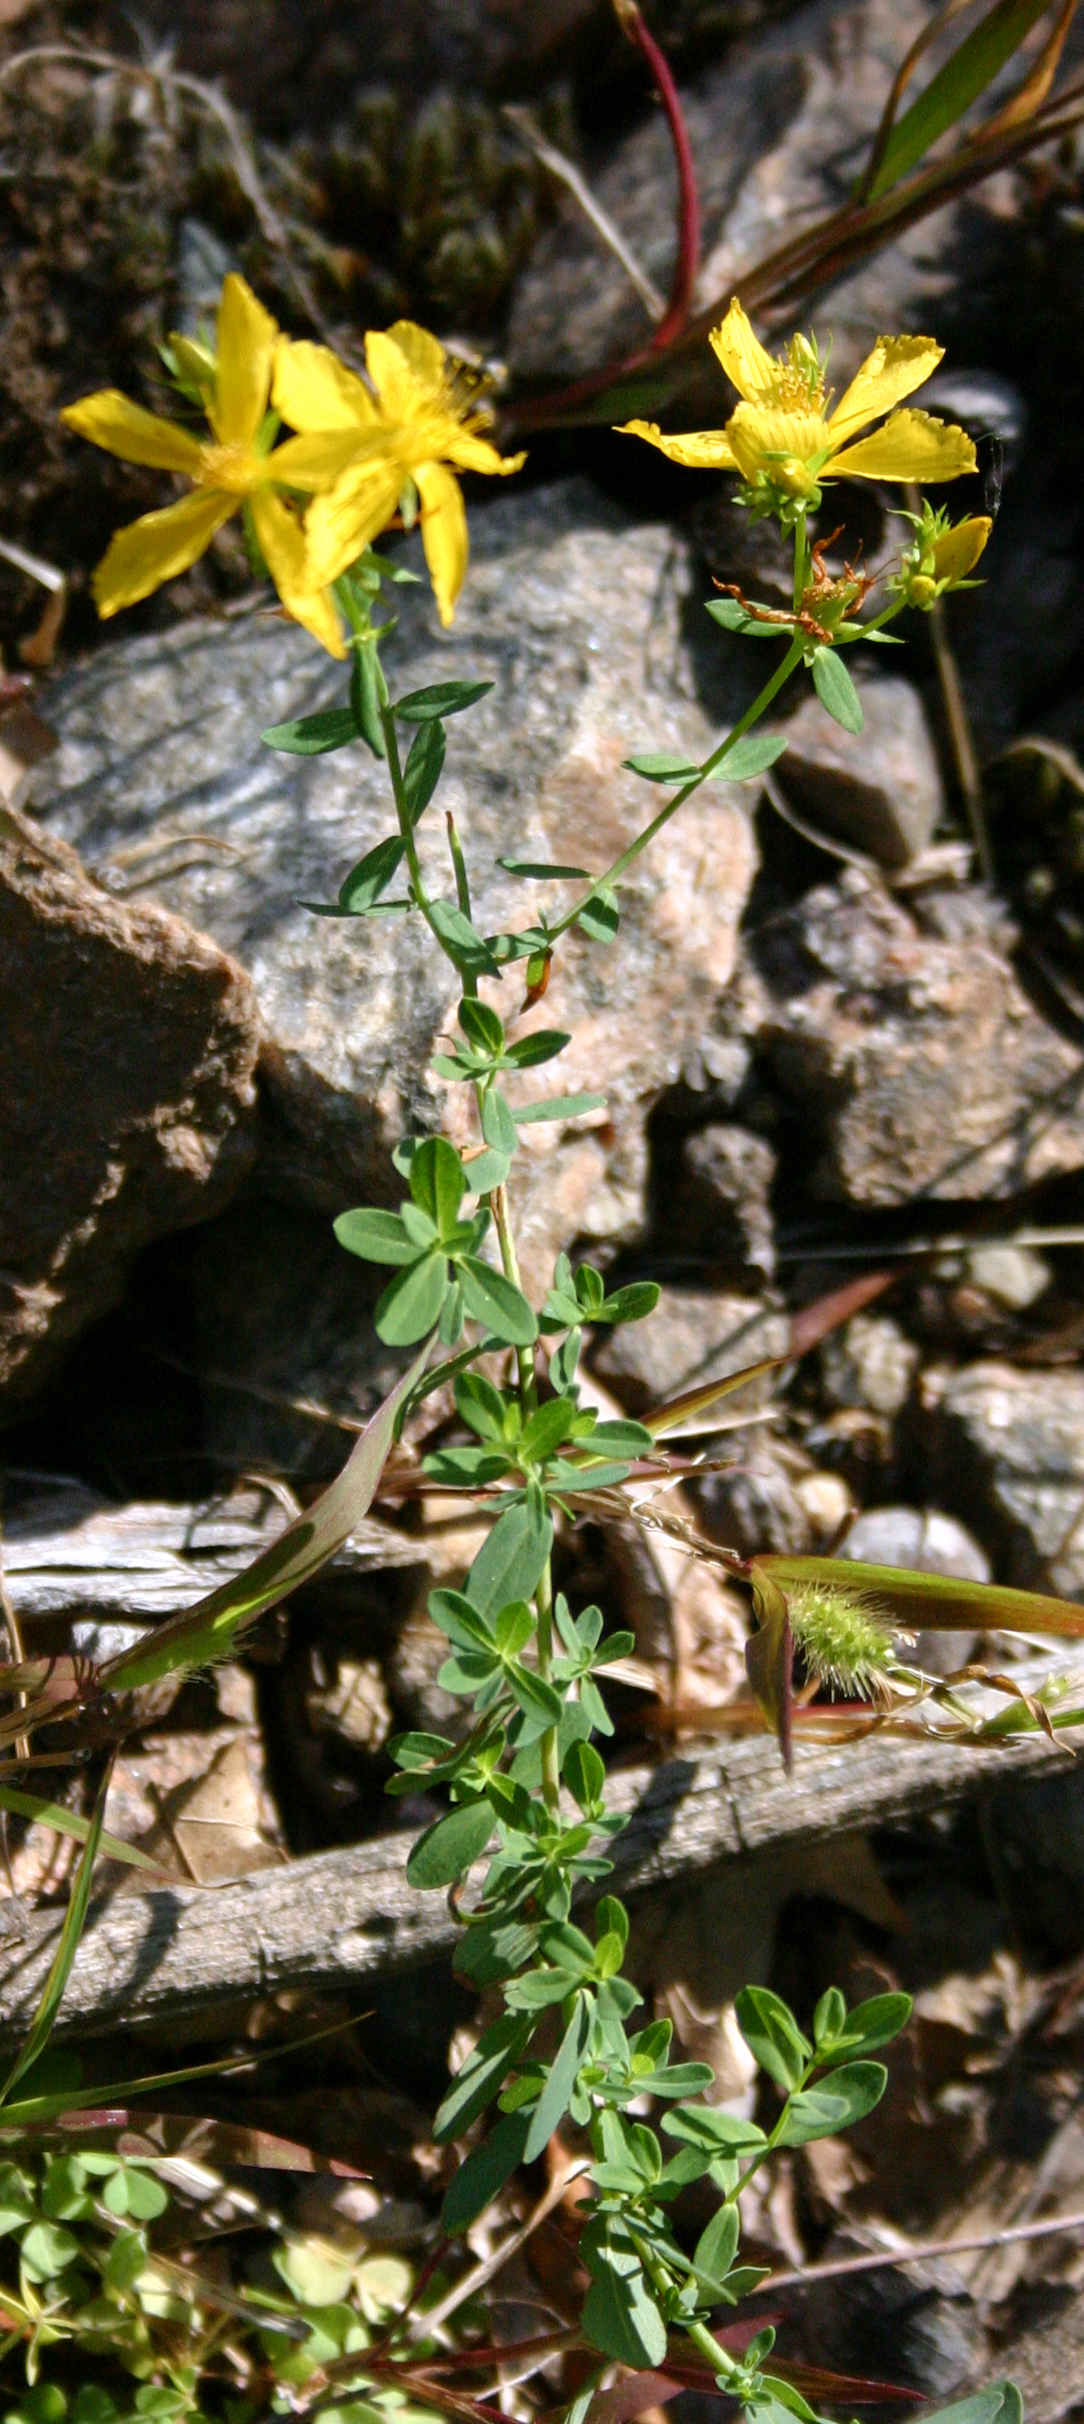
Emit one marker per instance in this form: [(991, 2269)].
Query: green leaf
[(498, 1125), (481, 1025), (313, 735), (601, 916), (481, 1405), (835, 689), (620, 1439), (633, 1303), (717, 2246), (441, 698), (738, 618), (376, 1236), (60, 1967), (48, 2249), (68, 1822), (541, 871), (772, 2034), (934, 1601), (535, 1696), (467, 947), (510, 1561), (497, 2052), (492, 1298), (205, 1631), (846, 2095), (483, 2174), (366, 686), (423, 768), (585, 1776), (662, 766), (531, 1050), (547, 1428), (751, 755), (871, 2024), (620, 2315), (959, 83), (558, 1106), (438, 1182), (370, 877), (451, 1845), (411, 1304), (556, 2095), (1001, 2404)]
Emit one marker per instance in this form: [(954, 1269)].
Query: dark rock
[(1008, 1445), (770, 127), (870, 1363), (754, 1506), (1034, 1837), (912, 2323), (878, 790), (693, 1336), (128, 1047), (576, 618), (917, 1062), (720, 1206)]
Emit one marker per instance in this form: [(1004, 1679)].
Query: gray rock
[(879, 790), (721, 1207), (576, 619), (917, 1061), (770, 126), (693, 1336), (927, 1543), (753, 1505), (1008, 1444), (128, 1047), (870, 1363)]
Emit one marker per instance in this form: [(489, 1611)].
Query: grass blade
[(932, 1602), (60, 1967), (67, 1822), (206, 1631), (957, 85)]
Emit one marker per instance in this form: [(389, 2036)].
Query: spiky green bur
[(845, 1638)]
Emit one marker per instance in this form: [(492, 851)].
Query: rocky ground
[(831, 1055)]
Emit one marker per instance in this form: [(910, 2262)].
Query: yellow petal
[(424, 353), (403, 394), (339, 525), (471, 453), (893, 370), (957, 551), (911, 446), (319, 460), (746, 363), (124, 429), (282, 544), (312, 389), (756, 431), (157, 547), (247, 337), (444, 535), (698, 449)]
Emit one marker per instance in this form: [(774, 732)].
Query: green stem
[(801, 561), (710, 766), (717, 2357), (551, 1769), (406, 829), (459, 867)]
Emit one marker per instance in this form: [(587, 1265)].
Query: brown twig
[(922, 2253)]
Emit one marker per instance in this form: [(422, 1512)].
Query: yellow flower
[(940, 556), (424, 418), (228, 471), (785, 442)]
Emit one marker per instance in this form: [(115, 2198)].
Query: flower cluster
[(360, 455)]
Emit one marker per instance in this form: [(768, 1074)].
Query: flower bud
[(940, 556)]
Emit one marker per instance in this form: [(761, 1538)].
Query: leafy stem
[(711, 765)]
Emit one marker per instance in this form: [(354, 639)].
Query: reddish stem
[(687, 264)]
